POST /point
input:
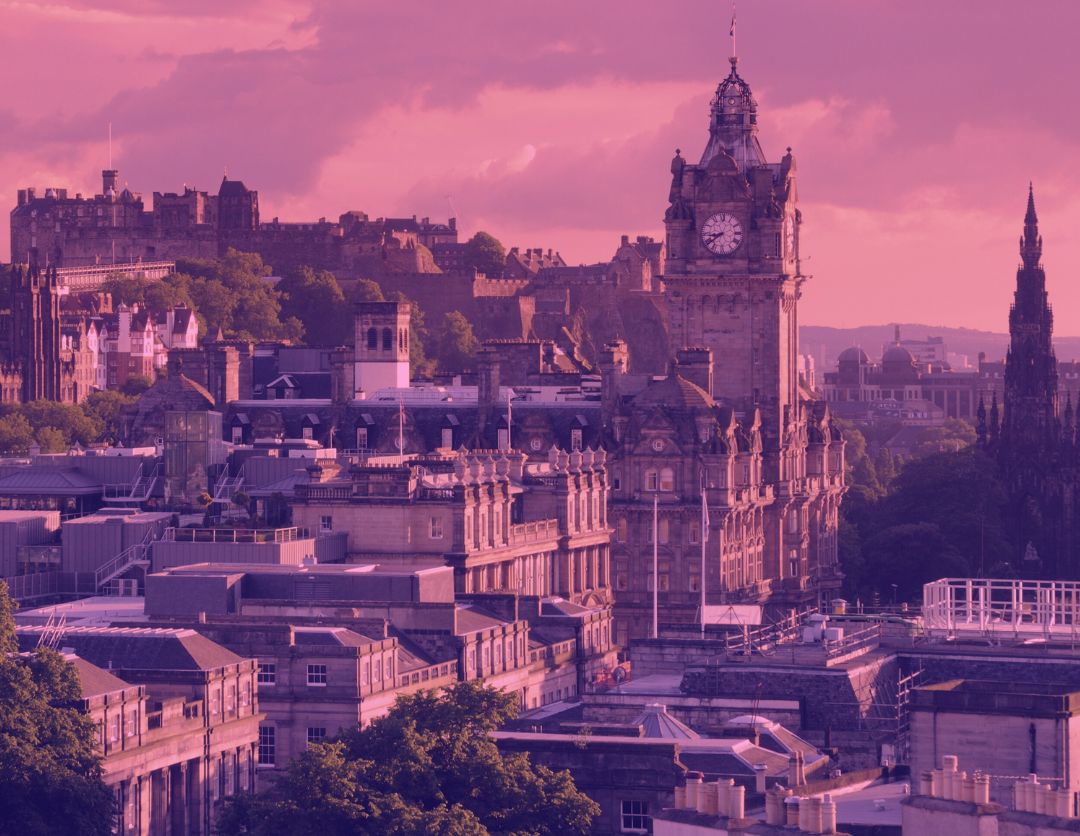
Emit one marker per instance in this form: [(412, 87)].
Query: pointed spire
[(1031, 241), (995, 421)]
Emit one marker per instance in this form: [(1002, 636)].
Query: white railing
[(988, 605)]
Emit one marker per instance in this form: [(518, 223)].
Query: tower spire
[(1031, 241)]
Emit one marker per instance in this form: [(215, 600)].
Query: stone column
[(142, 803), (178, 806), (197, 807)]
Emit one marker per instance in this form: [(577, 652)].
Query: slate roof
[(49, 480), (139, 648), (338, 636), (93, 681), (675, 392), (470, 619)]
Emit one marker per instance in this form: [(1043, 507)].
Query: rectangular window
[(237, 435), (316, 675), (316, 734), (575, 440), (504, 439), (435, 528), (361, 438), (447, 440), (635, 817), (694, 532), (132, 723), (267, 745), (307, 433), (326, 522), (114, 728), (267, 673)]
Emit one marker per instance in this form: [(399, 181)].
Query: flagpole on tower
[(732, 32), (655, 567), (704, 539), (401, 431)]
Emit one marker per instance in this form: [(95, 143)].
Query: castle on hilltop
[(115, 227)]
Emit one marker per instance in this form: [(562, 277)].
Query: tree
[(485, 254), (316, 300), (50, 770), (365, 290), (955, 502), (51, 440), (419, 364), (16, 434), (456, 343), (135, 385), (429, 765), (74, 424), (107, 407)]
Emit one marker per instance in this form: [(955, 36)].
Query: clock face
[(722, 233), (789, 238)]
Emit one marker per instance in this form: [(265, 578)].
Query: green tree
[(50, 770), (107, 407), (419, 363), (74, 424), (16, 434), (485, 254), (136, 385), (456, 343), (317, 301), (429, 765), (51, 440), (365, 290)]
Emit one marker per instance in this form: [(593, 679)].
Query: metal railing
[(138, 554), (234, 535), (1008, 605)]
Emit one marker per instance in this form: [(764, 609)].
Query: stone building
[(733, 280), (178, 720)]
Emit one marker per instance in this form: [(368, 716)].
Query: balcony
[(537, 531)]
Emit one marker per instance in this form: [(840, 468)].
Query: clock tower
[(732, 275), (732, 285)]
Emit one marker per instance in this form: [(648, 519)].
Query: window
[(621, 530), (387, 340), (361, 438), (694, 532), (616, 483), (230, 700), (316, 734), (372, 339), (267, 745), (267, 673), (114, 728), (447, 440), (435, 528), (664, 531), (650, 480), (575, 440), (316, 675), (326, 523), (237, 435), (504, 439), (307, 434), (667, 479), (635, 817), (132, 723)]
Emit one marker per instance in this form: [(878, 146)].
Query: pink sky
[(916, 123)]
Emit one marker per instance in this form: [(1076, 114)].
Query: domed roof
[(675, 392), (897, 354), (853, 355)]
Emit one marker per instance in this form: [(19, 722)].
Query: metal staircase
[(137, 555), (228, 486), (140, 490)]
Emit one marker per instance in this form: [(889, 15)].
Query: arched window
[(387, 339), (372, 339), (667, 479)]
